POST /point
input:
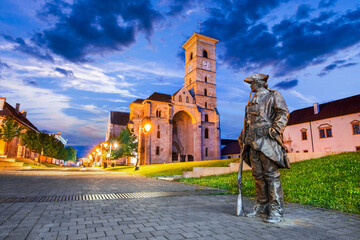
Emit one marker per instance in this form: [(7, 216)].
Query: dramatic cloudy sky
[(71, 62)]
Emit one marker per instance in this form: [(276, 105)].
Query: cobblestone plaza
[(62, 204)]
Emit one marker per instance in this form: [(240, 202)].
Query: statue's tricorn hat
[(257, 77)]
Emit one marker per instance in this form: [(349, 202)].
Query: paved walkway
[(188, 215)]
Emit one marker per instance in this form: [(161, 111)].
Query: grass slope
[(171, 169), (331, 182)]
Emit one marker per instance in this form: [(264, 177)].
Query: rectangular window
[(357, 148), (305, 151), (328, 132), (356, 129), (304, 135), (325, 133), (157, 151)]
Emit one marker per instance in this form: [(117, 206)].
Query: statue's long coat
[(266, 110)]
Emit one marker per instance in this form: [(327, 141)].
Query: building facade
[(14, 148), (186, 124), (116, 122), (328, 127)]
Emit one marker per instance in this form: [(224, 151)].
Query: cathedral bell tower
[(200, 69)]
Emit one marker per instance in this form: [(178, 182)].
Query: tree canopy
[(44, 144), (127, 142), (71, 154), (9, 129)]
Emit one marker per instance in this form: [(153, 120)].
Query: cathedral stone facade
[(186, 124)]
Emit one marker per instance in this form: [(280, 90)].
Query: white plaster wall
[(342, 139)]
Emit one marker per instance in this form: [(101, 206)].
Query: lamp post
[(93, 161), (145, 130), (108, 155), (90, 159)]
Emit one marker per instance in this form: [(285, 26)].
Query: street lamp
[(93, 161), (114, 145), (146, 129)]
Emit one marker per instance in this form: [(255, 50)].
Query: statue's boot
[(276, 213), (261, 206)]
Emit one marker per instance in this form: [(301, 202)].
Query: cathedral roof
[(161, 97), (119, 118), (138, 100), (326, 110)]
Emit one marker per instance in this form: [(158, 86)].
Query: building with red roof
[(21, 118), (327, 127)]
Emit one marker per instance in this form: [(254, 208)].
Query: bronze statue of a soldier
[(263, 149)]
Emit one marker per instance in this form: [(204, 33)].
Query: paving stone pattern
[(190, 216)]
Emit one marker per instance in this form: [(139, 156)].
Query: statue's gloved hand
[(273, 133)]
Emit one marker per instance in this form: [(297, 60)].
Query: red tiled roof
[(336, 108), (231, 148), (119, 118), (161, 97), (8, 110)]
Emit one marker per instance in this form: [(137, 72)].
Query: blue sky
[(71, 62)]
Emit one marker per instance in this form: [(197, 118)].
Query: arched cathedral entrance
[(183, 137)]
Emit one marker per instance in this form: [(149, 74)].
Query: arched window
[(191, 56), (206, 133), (206, 79), (206, 105), (158, 113), (190, 81), (206, 152), (157, 150), (180, 98), (205, 92), (206, 118), (158, 134), (187, 99), (205, 54)]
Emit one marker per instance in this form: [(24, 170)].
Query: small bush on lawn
[(330, 182)]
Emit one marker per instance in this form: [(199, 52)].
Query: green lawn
[(171, 169), (331, 182), (27, 163), (49, 164)]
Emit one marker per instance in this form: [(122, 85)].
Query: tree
[(29, 139), (127, 144), (44, 144), (9, 130), (71, 154)]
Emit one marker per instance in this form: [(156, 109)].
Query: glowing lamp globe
[(147, 127)]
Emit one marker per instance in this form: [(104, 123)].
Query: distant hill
[(82, 151)]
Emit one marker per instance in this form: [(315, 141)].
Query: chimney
[(2, 103), (316, 108), (24, 113), (17, 107)]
